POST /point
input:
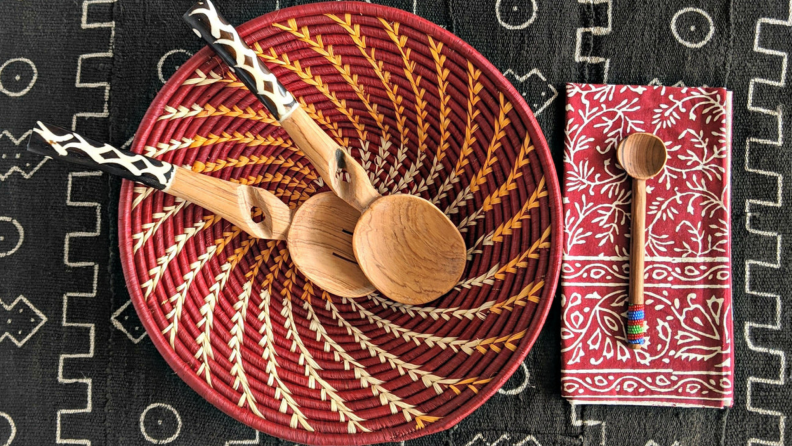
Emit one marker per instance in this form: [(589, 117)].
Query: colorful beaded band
[(635, 324)]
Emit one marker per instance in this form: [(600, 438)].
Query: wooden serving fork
[(234, 202)]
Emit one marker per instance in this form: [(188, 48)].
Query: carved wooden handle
[(635, 309), (345, 176), (234, 202), (340, 171), (59, 143), (225, 41)]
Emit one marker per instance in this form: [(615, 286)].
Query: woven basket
[(425, 114)]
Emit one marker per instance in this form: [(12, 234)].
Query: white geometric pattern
[(595, 31), (114, 319), (21, 300), (25, 171), (515, 8), (753, 206), (31, 82), (11, 424), (523, 385), (254, 440), (537, 108), (88, 382), (580, 423), (687, 43), (503, 440), (86, 24), (166, 440), (20, 234)]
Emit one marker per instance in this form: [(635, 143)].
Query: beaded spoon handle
[(643, 156), (233, 202)]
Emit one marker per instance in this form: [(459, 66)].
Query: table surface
[(75, 364)]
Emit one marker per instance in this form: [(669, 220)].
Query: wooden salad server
[(234, 202), (406, 247), (643, 156)]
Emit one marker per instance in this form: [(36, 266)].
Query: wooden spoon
[(234, 202), (643, 156), (406, 247)]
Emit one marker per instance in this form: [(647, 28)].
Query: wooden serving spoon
[(234, 202), (406, 246), (643, 156)]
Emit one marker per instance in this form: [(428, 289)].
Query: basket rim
[(554, 201)]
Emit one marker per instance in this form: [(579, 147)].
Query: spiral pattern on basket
[(423, 117)]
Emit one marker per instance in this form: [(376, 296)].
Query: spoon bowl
[(409, 249), (642, 155), (320, 244), (406, 247)]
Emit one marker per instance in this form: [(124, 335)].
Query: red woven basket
[(425, 114)]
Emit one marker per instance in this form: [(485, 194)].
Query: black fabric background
[(86, 374)]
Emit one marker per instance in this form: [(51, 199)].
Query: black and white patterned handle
[(243, 61), (345, 176), (62, 144)]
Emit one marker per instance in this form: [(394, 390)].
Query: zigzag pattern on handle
[(238, 55), (66, 144)]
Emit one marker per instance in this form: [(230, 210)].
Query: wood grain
[(642, 155), (413, 253), (430, 256), (340, 171), (320, 243), (406, 247), (234, 202), (638, 235)]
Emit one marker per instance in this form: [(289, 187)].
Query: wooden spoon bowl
[(393, 246), (642, 155), (320, 243), (406, 247), (409, 249)]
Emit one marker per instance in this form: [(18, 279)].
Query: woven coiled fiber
[(425, 114)]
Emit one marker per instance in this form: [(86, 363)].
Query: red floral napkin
[(688, 356)]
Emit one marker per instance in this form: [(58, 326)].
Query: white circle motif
[(519, 389), (522, 25), (22, 92), (688, 43), (166, 56), (13, 428), (21, 232), (164, 440)]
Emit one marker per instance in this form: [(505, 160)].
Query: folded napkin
[(688, 356)]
